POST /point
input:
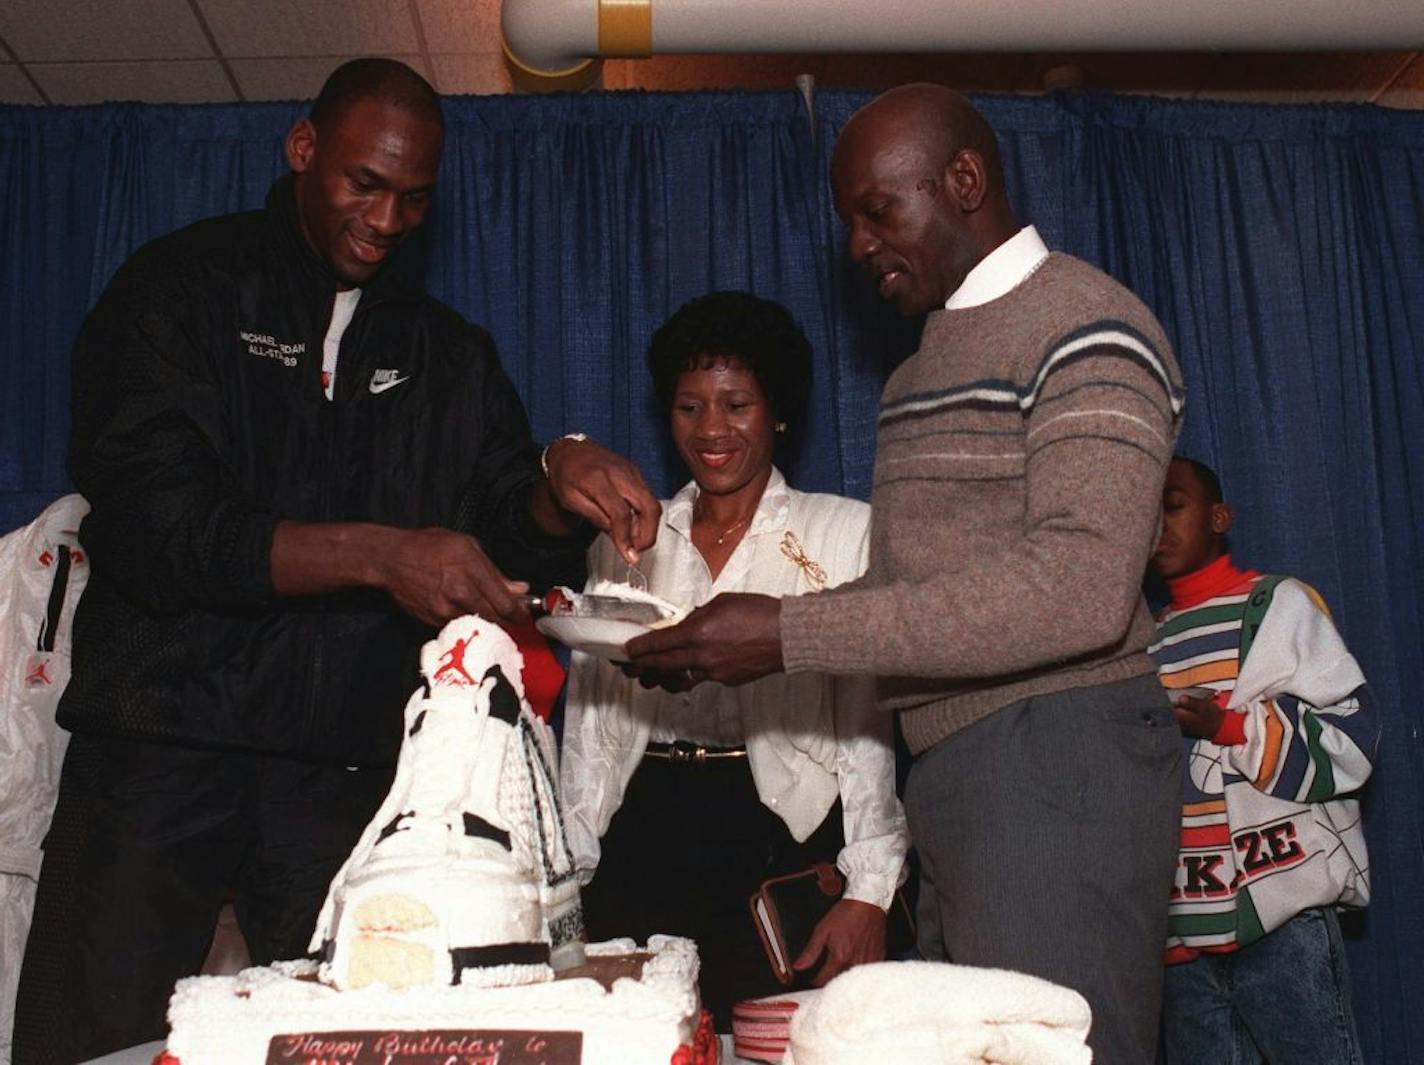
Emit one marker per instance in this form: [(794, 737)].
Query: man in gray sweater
[(1016, 495)]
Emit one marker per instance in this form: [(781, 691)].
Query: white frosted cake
[(443, 933), (285, 1014), (671, 612)]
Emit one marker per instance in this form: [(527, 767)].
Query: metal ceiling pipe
[(556, 38)]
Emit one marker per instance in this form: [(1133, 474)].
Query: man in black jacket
[(298, 464)]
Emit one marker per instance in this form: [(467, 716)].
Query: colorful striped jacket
[(1266, 828)]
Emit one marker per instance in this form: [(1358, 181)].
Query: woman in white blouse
[(679, 805)]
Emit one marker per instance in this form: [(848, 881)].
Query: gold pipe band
[(530, 79), (625, 28)]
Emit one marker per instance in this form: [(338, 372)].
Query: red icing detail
[(165, 1058), (705, 1048), (543, 676), (541, 673), (454, 663)]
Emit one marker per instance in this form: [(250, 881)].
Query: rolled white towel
[(916, 1011)]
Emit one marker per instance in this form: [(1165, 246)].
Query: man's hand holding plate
[(734, 639)]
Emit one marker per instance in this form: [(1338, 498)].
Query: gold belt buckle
[(683, 756)]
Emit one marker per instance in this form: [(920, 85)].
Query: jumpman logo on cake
[(452, 664)]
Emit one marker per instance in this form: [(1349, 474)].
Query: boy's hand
[(1197, 717)]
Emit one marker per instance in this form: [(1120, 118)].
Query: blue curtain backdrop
[(1283, 249)]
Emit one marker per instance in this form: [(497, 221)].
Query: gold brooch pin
[(792, 549)]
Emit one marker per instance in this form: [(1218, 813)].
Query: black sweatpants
[(147, 841)]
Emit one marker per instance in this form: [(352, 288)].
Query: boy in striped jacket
[(1279, 730)]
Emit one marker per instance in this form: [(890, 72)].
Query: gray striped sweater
[(1017, 494)]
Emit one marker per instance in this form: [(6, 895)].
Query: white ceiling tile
[(295, 78), (183, 81), (15, 88), (460, 25), (311, 27), (483, 74), (124, 30)]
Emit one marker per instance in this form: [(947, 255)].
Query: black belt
[(683, 753)]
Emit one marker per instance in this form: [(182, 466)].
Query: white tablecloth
[(143, 1055)]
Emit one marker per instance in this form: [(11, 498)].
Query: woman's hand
[(853, 933)]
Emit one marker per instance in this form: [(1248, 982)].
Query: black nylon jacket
[(200, 423)]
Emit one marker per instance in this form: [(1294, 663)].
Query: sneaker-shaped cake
[(453, 932), (464, 875)]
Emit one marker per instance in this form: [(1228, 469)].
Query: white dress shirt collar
[(999, 272)]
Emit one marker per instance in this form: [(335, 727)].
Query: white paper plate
[(602, 637)]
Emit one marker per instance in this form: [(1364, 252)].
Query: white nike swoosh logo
[(378, 387)]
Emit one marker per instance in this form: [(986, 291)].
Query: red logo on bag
[(38, 675)]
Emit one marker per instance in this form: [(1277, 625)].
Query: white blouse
[(809, 736)]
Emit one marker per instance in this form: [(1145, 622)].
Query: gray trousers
[(1047, 835)]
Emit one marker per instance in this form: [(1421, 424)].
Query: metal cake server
[(607, 607)]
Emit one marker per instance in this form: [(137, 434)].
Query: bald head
[(918, 181), (930, 121)]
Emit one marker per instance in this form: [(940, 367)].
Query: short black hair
[(1206, 476), (758, 333), (386, 80)]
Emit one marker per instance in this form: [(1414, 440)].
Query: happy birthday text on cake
[(483, 1047)]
